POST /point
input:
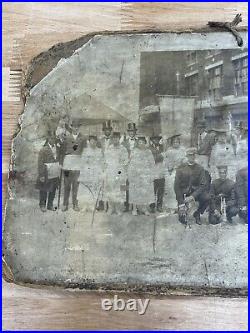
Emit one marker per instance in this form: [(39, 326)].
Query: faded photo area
[(132, 168)]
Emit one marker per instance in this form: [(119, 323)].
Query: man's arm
[(41, 165), (202, 184), (178, 188)]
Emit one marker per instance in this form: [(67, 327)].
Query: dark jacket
[(207, 144), (127, 145), (226, 188), (157, 153), (46, 156), (190, 180), (241, 187), (71, 146)]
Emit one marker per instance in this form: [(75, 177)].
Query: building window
[(241, 76), (191, 58), (191, 83), (215, 82)]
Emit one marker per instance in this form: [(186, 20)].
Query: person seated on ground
[(222, 205), (191, 186), (241, 188)]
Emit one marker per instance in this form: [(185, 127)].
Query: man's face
[(191, 158), (75, 129), (131, 134), (155, 142), (116, 140), (92, 143), (107, 132), (176, 143), (222, 138), (141, 144), (222, 174)]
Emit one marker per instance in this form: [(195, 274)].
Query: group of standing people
[(140, 174)]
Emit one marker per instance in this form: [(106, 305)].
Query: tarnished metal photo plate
[(129, 169)]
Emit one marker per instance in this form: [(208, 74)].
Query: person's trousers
[(230, 212), (203, 200), (159, 189), (47, 198), (71, 184)]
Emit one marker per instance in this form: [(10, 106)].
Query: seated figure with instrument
[(222, 205), (191, 186)]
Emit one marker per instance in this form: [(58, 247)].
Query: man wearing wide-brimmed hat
[(242, 193), (222, 198), (72, 148), (222, 151), (242, 149), (48, 172), (205, 147), (191, 185)]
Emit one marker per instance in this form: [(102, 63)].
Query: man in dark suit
[(206, 145), (129, 141), (191, 185), (241, 188), (105, 140), (222, 198), (72, 148), (48, 172), (159, 182)]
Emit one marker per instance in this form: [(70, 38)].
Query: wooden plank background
[(30, 28)]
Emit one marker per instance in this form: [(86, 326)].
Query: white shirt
[(53, 149)]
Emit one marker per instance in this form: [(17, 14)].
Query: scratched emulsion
[(101, 82)]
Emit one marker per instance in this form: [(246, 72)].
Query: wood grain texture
[(47, 309), (31, 28)]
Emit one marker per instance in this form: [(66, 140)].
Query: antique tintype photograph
[(131, 166)]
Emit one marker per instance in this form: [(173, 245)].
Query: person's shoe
[(51, 208), (64, 208), (43, 209), (76, 208), (146, 212), (197, 218), (159, 209)]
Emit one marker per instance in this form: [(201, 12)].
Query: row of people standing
[(113, 168)]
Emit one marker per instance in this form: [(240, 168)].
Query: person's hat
[(107, 125), (156, 138), (221, 166), (116, 135), (94, 137), (132, 127), (141, 138), (191, 151), (173, 135), (201, 124), (220, 130), (75, 123)]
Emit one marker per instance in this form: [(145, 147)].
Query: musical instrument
[(223, 208)]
